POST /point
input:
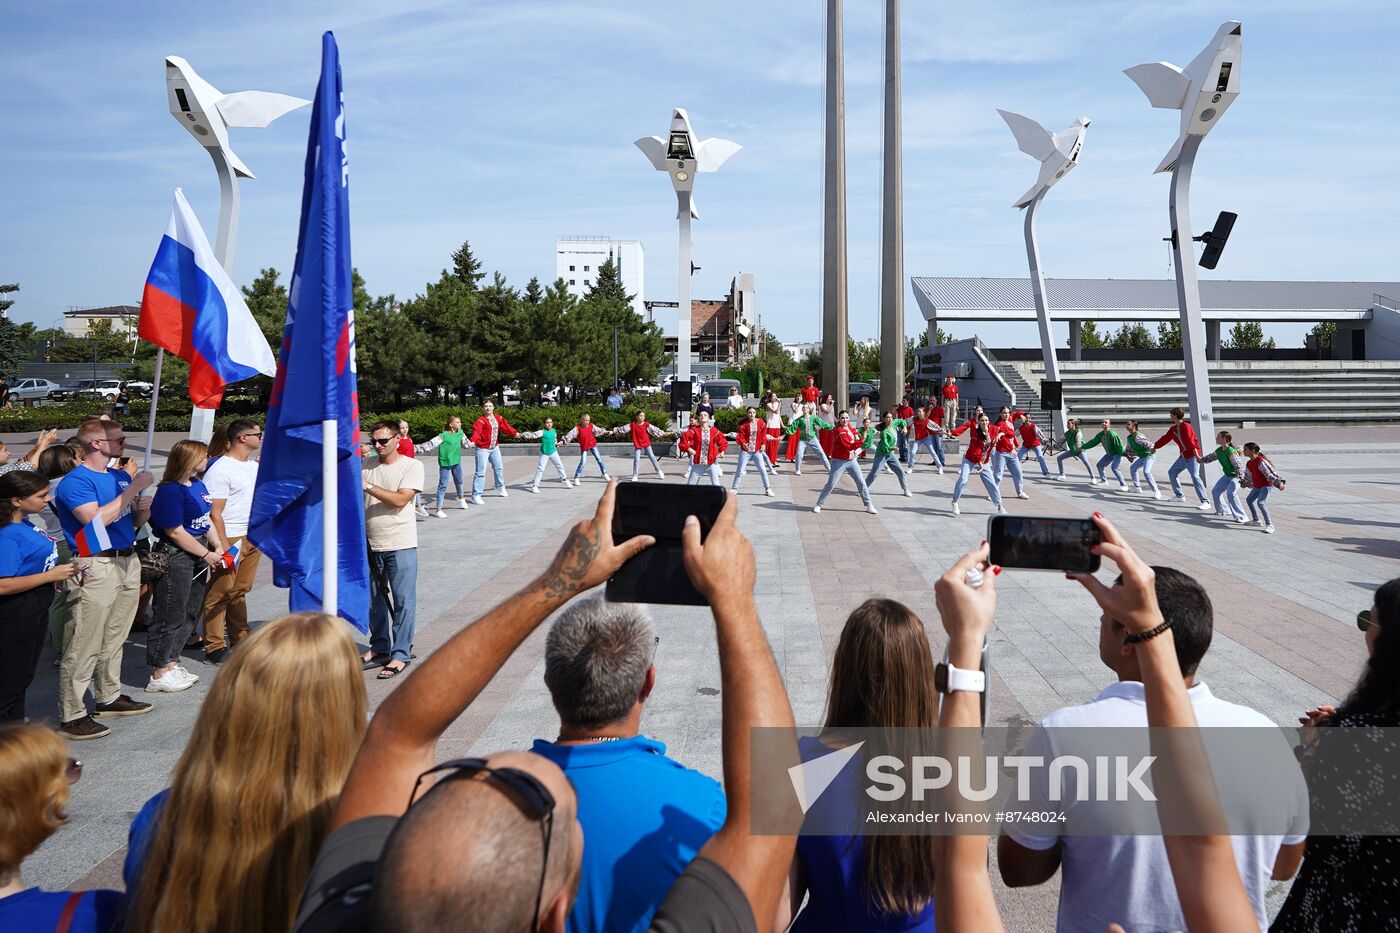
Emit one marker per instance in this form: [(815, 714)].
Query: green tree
[(1325, 333), (1169, 335), (267, 299), (779, 370), (1131, 336), (608, 284), (862, 361), (545, 336), (1248, 335), (101, 339), (1089, 336), (15, 338), (10, 289), (590, 327), (388, 350), (534, 293), (466, 268), (442, 314)]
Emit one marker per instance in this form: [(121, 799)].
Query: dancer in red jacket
[(586, 435), (486, 435), (1189, 448), (979, 452), (642, 432), (705, 443), (845, 448), (752, 436)]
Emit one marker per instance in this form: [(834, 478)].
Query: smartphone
[(1035, 543), (657, 574)]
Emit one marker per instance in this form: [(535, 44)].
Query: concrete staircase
[(1326, 391), (1027, 398)]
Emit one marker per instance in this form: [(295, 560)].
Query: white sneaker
[(767, 491), (1157, 494), (1095, 482), (940, 471), (870, 509), (421, 512), (534, 489), (1061, 477), (907, 493), (439, 514), (1001, 509), (796, 472), (1137, 487), (816, 508), (476, 500), (169, 682), (463, 502), (634, 477), (1122, 487), (1268, 529), (660, 475), (569, 485), (1022, 495), (1241, 521), (1181, 499), (504, 493), (956, 510), (192, 678), (1206, 507)]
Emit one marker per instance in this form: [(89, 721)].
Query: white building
[(800, 351), (578, 258)]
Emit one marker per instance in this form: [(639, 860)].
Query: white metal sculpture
[(207, 113), (1058, 153), (680, 155), (1202, 91)]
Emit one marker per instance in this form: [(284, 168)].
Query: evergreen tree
[(109, 345), (1089, 336), (1169, 335), (608, 284), (267, 299), (1248, 335), (1131, 336), (534, 293), (466, 268), (442, 315), (10, 289), (14, 338)]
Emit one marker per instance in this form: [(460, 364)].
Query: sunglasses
[(74, 770), (383, 441), (1363, 619), (526, 790), (250, 434)]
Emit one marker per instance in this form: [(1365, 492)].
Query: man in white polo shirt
[(230, 479), (1127, 879)]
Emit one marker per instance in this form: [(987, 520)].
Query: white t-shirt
[(388, 528), (1127, 879), (233, 480)]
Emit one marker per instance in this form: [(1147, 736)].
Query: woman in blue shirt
[(881, 678), (35, 771), (28, 570), (180, 519)]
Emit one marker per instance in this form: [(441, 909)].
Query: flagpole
[(330, 550), (151, 418)]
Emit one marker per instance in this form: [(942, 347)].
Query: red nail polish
[(1098, 515), (996, 571)]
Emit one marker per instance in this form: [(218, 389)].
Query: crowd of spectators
[(290, 810)]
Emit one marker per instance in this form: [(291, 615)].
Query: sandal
[(391, 672), (373, 661)]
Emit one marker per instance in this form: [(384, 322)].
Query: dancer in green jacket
[(1113, 450), (806, 428), (1074, 450)]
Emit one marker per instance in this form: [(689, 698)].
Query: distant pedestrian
[(1113, 450), (735, 399), (614, 400), (449, 445), (949, 394), (1074, 450), (1189, 448), (390, 483), (1231, 465), (845, 448), (773, 422), (805, 429), (1263, 479), (230, 478), (1032, 441), (905, 412), (705, 406), (887, 444), (826, 412), (810, 393), (928, 435), (1143, 454)]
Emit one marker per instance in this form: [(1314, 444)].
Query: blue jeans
[(1006, 462), (1144, 465), (1039, 457), (903, 447), (1227, 485), (637, 460), (1190, 465), (1071, 455), (1258, 495), (760, 462), (498, 472), (1112, 461), (988, 481), (880, 461), (804, 446), (695, 471), (934, 445), (393, 595), (837, 468), (455, 472), (546, 460), (583, 459)]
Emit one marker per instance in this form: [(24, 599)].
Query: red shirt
[(641, 433), (811, 394), (845, 443), (707, 442), (751, 435), (1030, 434), (925, 428), (587, 440), (486, 432), (1004, 436), (406, 447), (950, 390), (978, 451), (1185, 437)]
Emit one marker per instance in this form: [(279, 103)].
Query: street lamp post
[(616, 384), (207, 113), (680, 155), (1202, 91), (1058, 154)]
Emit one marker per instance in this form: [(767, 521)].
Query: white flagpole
[(330, 549), (151, 418)]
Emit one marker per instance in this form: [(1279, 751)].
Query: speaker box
[(1052, 395), (681, 395)]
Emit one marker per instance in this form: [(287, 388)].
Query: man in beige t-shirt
[(391, 482)]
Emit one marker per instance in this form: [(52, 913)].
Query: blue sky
[(511, 123)]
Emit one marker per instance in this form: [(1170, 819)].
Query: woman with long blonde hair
[(229, 845)]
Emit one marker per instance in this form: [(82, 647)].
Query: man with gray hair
[(645, 816)]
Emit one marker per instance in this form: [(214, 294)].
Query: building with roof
[(1365, 313), (721, 331), (78, 321), (577, 260)]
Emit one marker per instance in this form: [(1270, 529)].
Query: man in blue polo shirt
[(644, 815), (102, 596)]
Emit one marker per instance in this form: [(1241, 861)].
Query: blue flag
[(315, 383)]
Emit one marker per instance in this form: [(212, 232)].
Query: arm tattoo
[(565, 575)]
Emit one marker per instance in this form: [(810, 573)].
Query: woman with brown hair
[(35, 771), (881, 678), (180, 520), (229, 845)]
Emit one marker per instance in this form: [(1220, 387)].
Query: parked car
[(32, 390), (72, 390), (139, 389), (105, 389), (857, 389)]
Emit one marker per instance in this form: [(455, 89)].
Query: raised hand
[(723, 565), (588, 556), (1135, 602)]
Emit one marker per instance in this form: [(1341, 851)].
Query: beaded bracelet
[(1140, 637)]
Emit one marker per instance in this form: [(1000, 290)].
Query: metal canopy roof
[(984, 299)]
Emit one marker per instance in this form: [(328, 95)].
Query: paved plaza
[(1285, 639)]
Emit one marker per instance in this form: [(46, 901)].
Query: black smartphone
[(657, 574), (1035, 543)]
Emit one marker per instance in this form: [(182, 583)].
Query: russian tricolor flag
[(192, 308), (92, 538), (231, 557)]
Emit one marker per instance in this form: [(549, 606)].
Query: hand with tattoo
[(588, 556)]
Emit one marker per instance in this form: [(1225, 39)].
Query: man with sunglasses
[(94, 502), (391, 482), (230, 479), (494, 843)]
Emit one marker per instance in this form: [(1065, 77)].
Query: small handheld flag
[(230, 558), (92, 538)]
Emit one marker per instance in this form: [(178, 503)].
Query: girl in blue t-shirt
[(180, 519), (28, 570)]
